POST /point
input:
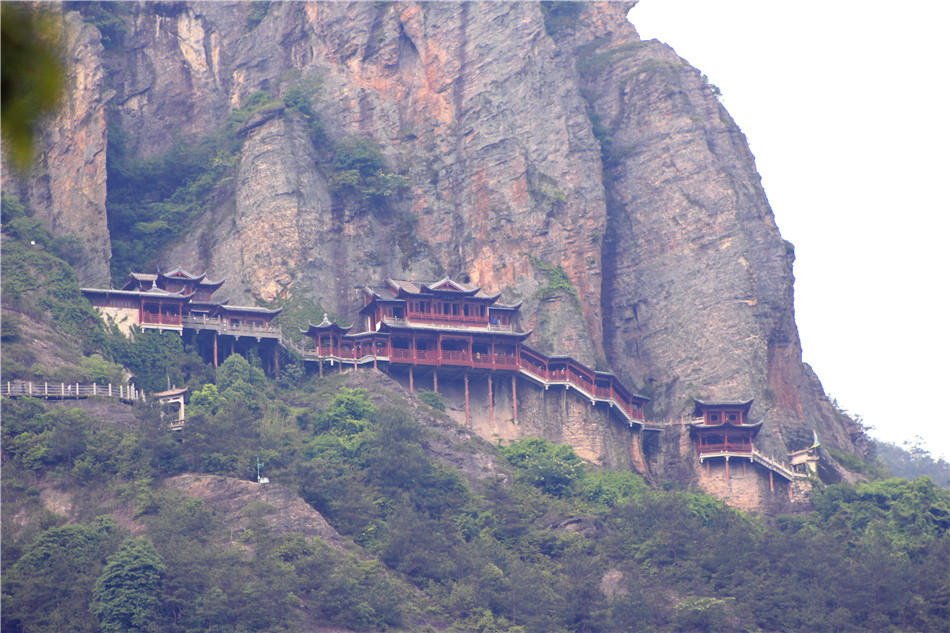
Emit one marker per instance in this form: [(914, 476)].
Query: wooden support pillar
[(411, 388), (771, 481), (215, 350), (491, 404), (435, 381), (743, 466), (514, 396), (727, 468), (707, 467), (320, 366), (341, 366), (276, 362), (468, 417)]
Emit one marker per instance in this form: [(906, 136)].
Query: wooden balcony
[(533, 364), (222, 326), (725, 447), (151, 318), (447, 319)]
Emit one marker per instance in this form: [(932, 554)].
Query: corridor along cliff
[(458, 341)]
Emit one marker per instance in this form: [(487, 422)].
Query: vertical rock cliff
[(530, 139)]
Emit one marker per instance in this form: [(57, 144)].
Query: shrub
[(433, 399), (551, 467)]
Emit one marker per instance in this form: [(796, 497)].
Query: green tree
[(126, 596), (551, 467), (50, 586), (359, 169)]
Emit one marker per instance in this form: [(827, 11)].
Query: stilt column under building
[(491, 404), (514, 396), (468, 417)]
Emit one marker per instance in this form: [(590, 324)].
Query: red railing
[(456, 319), (725, 447), (532, 362)]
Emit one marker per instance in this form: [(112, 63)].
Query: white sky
[(845, 106)]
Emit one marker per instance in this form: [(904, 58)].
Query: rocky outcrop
[(242, 502), (527, 142)]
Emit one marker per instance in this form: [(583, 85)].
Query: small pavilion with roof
[(723, 431)]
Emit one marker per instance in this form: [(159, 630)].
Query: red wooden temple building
[(180, 301), (722, 431), (455, 330)]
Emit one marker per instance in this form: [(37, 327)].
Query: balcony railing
[(532, 363), (725, 447), (161, 319), (225, 327)]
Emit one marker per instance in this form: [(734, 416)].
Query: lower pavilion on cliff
[(723, 432)]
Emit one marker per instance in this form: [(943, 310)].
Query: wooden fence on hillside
[(70, 391)]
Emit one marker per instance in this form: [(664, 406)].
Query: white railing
[(773, 464), (66, 391), (222, 325)]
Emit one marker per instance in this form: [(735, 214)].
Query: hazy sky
[(845, 106)]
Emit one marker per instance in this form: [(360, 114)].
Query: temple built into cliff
[(180, 301), (458, 340), (722, 433), (458, 331)]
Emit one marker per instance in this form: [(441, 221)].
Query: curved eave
[(323, 328), (699, 425), (458, 288), (435, 329), (213, 285), (164, 294), (185, 275), (251, 310), (370, 307), (170, 393), (702, 405)]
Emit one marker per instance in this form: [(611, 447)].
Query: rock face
[(242, 501), (67, 185), (529, 141)]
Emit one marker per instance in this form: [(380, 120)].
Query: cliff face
[(67, 184), (526, 145)]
